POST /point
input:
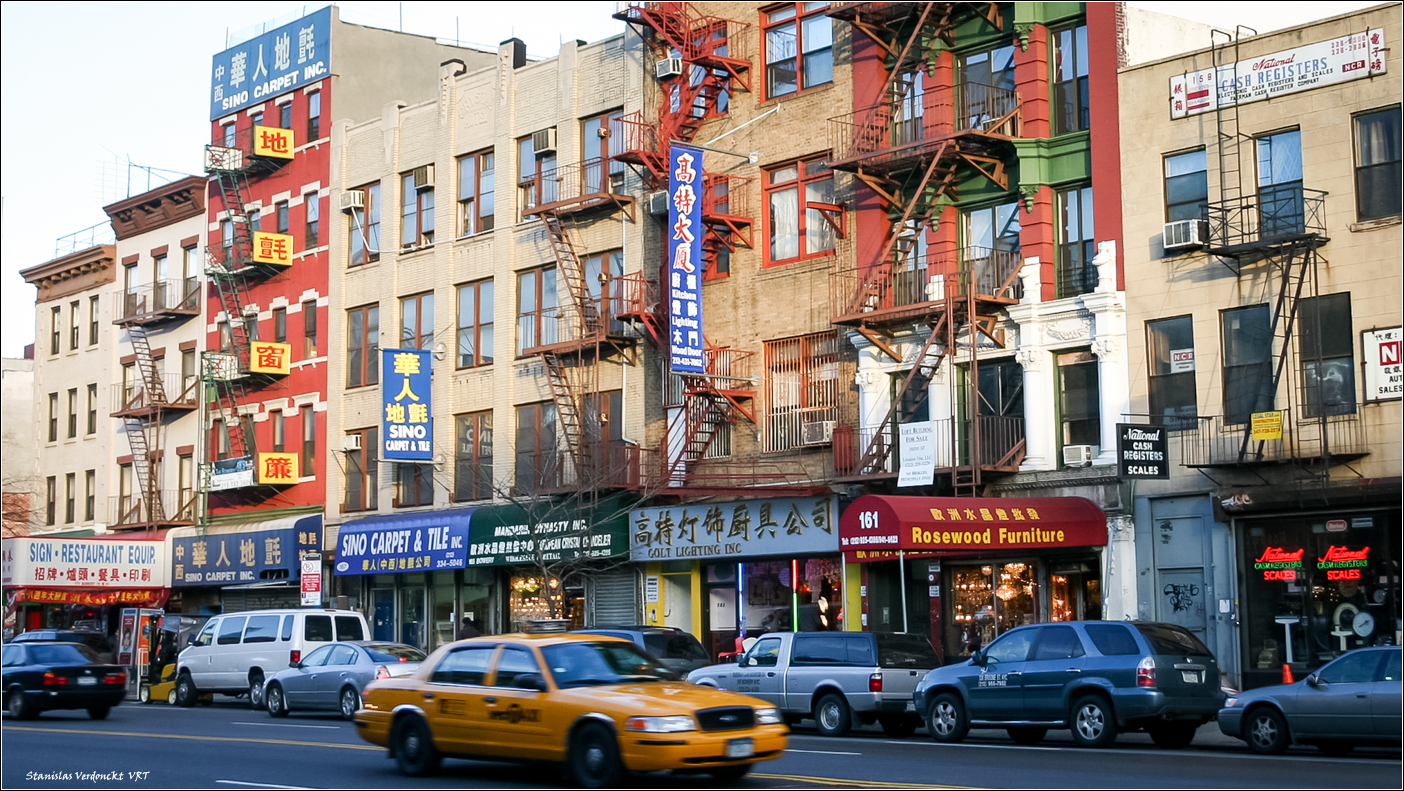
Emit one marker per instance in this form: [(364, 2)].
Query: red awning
[(135, 597), (876, 527)]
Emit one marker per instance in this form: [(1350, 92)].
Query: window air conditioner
[(818, 433), (1185, 234), (423, 177), (350, 443), (658, 202), (353, 199), (222, 158), (544, 141), (668, 67), (1077, 455)]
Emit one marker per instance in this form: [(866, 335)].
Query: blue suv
[(1097, 678)]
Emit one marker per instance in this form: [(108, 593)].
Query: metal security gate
[(614, 598), (243, 598)]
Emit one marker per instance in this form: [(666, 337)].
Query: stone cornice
[(158, 208), (74, 272)]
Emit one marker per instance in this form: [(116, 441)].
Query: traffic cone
[(1287, 674)]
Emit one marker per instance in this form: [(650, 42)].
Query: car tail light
[(54, 680), (875, 682), (115, 679), (294, 656), (1145, 672), (382, 672)]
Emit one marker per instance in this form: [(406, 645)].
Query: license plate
[(911, 705), (740, 748), (86, 681), (1190, 676)]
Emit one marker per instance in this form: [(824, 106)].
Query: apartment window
[(72, 412), (797, 229), (56, 328), (73, 325), (50, 500), (537, 462), (185, 483), (802, 385), (53, 417), (314, 116), (1328, 357), (279, 438), (1173, 397), (1247, 339), (1070, 101), (280, 214), (309, 329), (472, 478), (92, 320), (219, 440), (363, 472), (536, 308), (70, 497), (1080, 399), (993, 68), (285, 115), (280, 325), (1186, 185), (92, 409), (604, 269), (1377, 171), (256, 119), (308, 464), (89, 495), (799, 48), (531, 186), (1281, 206), (312, 229), (475, 324), (129, 382), (414, 485), (416, 214), (363, 346), (365, 227), (226, 237), (1077, 243), (226, 134), (125, 488), (189, 372), (601, 138), (251, 327), (417, 322), (477, 193)]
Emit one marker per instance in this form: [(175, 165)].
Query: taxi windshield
[(593, 664)]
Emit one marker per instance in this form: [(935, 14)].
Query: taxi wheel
[(731, 774), (831, 715), (277, 701), (414, 749), (594, 758), (946, 720)]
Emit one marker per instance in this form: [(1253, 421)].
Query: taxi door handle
[(428, 696), (490, 701)]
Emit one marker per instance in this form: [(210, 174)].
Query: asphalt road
[(228, 746)]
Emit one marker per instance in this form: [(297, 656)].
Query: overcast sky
[(86, 88)]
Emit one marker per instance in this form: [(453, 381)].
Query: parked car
[(1353, 701), (836, 678), (235, 654), (1096, 678), (679, 650), (41, 676), (92, 639), (334, 676)]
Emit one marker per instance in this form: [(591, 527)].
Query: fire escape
[(909, 148)]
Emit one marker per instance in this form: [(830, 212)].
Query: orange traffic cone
[(1287, 674)]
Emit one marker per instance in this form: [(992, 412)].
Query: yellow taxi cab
[(598, 705)]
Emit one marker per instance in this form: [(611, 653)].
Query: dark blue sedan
[(45, 676)]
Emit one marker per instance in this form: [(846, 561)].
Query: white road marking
[(260, 785), (288, 725), (819, 752), (1200, 753)]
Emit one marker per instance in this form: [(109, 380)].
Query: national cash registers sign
[(1142, 451), (407, 428), (685, 260), (292, 56)]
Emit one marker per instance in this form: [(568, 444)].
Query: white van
[(234, 653)]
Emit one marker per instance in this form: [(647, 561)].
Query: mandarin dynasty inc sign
[(686, 347)]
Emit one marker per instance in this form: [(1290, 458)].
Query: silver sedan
[(333, 676)]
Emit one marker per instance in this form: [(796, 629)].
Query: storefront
[(1314, 586), (965, 570), (238, 566), (82, 583), (727, 572)]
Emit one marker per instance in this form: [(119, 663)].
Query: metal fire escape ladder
[(153, 396), (227, 275), (1225, 56), (1294, 264), (879, 450), (569, 265), (569, 410)]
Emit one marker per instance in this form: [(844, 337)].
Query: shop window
[(799, 48), (802, 385), (414, 485), (1377, 171), (475, 325), (538, 463), (363, 472), (1186, 186), (798, 195), (312, 221), (1071, 104), (363, 346), (1173, 393), (365, 228), (1080, 400), (416, 214), (1076, 243), (536, 308), (473, 461), (477, 193), (1247, 361), (989, 600), (417, 322), (537, 597), (1328, 355)]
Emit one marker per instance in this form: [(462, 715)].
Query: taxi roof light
[(547, 626)]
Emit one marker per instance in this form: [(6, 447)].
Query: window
[(472, 478), (1170, 347), (601, 270), (414, 485), (1057, 642), (280, 325), (314, 116), (1076, 273), (70, 497), (799, 48), (464, 666), (73, 325), (50, 500), (185, 485), (256, 119), (309, 329), (802, 385), (312, 229), (602, 137), (365, 228), (417, 322), (1328, 359), (363, 472), (189, 372), (279, 439), (1080, 399), (363, 346), (251, 327), (992, 228), (1070, 102), (477, 193), (514, 662), (1281, 207), (226, 237), (1247, 338), (53, 417), (1356, 668), (92, 320), (227, 134), (92, 408), (280, 212), (797, 229), (536, 308), (56, 328), (230, 630), (532, 188), (416, 214), (285, 115), (1186, 185), (89, 495), (307, 465), (219, 440), (475, 324), (1377, 172), (537, 463)]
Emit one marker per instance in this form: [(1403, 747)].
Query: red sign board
[(152, 597), (878, 525)]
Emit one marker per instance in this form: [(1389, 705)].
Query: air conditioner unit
[(423, 177), (818, 433), (544, 141), (351, 442), (1077, 455), (668, 67), (353, 199), (222, 158), (1185, 234), (658, 202)]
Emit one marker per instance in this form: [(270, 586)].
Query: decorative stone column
[(1108, 307), (1119, 578), (1040, 431)]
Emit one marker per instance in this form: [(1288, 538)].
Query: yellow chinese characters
[(272, 248)]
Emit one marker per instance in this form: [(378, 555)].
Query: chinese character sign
[(292, 56), (685, 263), (270, 141), (408, 430), (751, 528), (85, 563), (272, 248), (267, 357), (277, 469), (241, 557)]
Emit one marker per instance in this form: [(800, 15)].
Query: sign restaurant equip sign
[(686, 345), (88, 563), (292, 56), (407, 426), (1142, 451)]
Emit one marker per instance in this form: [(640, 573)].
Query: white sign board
[(88, 563), (917, 444), (1384, 379), (311, 580), (1316, 65), (1181, 360), (651, 589), (722, 603)]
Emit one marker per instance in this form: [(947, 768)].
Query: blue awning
[(424, 541)]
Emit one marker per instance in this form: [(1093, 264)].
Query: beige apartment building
[(1263, 270)]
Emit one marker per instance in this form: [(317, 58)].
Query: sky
[(115, 92)]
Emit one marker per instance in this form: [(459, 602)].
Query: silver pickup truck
[(835, 678)]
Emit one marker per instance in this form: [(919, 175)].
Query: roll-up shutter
[(283, 597), (615, 598)]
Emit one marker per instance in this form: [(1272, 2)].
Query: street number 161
[(867, 520)]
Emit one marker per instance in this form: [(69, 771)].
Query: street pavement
[(228, 746)]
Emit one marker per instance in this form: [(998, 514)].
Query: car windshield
[(393, 652), (590, 664), (671, 645), (61, 654)]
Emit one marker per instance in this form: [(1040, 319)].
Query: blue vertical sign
[(685, 260), (407, 431)]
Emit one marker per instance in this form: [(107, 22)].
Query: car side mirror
[(532, 681), (1315, 681), (978, 658)]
